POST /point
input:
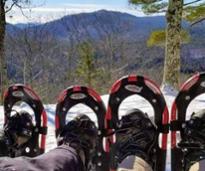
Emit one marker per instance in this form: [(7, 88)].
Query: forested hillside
[(61, 53)]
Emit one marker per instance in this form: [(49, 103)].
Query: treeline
[(50, 65), (38, 58)]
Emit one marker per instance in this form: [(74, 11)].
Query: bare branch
[(191, 2), (120, 69), (198, 21), (17, 4), (38, 74), (22, 12), (162, 11), (12, 5)]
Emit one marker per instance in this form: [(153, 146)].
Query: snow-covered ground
[(131, 102)]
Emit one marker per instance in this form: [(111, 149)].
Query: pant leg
[(139, 165), (61, 158), (198, 166)]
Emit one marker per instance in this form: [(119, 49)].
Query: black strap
[(163, 128), (104, 132), (41, 130), (176, 125)]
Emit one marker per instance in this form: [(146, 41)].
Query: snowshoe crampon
[(82, 95), (21, 93), (187, 136), (136, 135)]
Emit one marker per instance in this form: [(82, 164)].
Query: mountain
[(12, 29), (24, 25), (99, 24)]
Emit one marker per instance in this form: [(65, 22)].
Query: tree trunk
[(3, 68), (173, 44), (24, 71)]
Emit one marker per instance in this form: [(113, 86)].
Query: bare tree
[(113, 47), (5, 7), (3, 70), (35, 58)]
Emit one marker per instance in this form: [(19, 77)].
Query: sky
[(46, 10)]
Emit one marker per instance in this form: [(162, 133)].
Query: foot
[(80, 134), (136, 135)]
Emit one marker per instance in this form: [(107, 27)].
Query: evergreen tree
[(87, 66)]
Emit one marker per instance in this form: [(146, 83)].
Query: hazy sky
[(114, 3), (47, 10)]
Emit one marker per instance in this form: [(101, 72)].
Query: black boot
[(193, 139), (136, 136), (80, 134)]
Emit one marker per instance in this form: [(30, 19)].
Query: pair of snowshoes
[(133, 135)]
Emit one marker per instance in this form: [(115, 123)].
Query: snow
[(131, 102), (168, 90)]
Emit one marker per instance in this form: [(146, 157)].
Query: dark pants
[(62, 158)]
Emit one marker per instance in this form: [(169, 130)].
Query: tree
[(87, 66), (175, 11), (3, 71), (195, 14), (33, 54), (5, 7)]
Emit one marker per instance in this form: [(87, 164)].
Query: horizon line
[(54, 14)]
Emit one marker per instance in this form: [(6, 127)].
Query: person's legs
[(79, 136)]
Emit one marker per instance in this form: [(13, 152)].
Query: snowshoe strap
[(176, 125), (41, 130), (163, 128)]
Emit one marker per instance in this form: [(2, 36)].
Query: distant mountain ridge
[(98, 24), (132, 32)]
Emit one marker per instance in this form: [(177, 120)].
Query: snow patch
[(168, 90)]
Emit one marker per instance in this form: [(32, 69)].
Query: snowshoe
[(135, 134), (189, 147), (82, 95), (21, 93), (81, 134)]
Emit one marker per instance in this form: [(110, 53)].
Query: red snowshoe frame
[(82, 95), (142, 86), (17, 93), (192, 88)]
